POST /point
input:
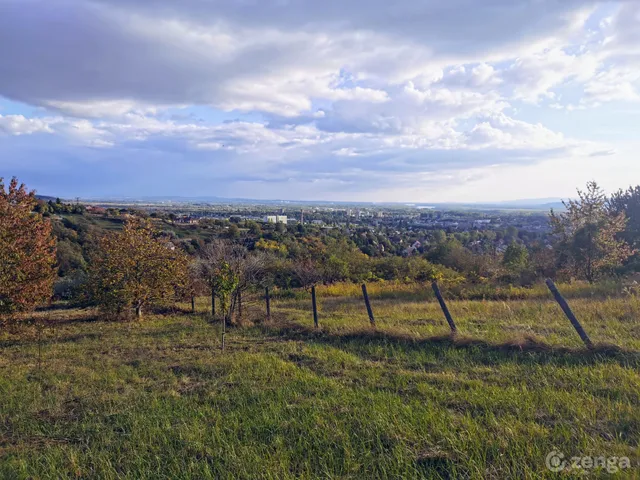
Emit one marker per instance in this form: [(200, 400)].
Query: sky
[(352, 100)]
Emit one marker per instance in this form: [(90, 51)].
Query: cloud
[(20, 125), (98, 109), (270, 56), (500, 131), (480, 77), (329, 95), (612, 85), (533, 77)]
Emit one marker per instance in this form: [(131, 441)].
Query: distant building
[(276, 219), (412, 249), (187, 220), (481, 223)]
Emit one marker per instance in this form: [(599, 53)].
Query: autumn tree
[(306, 274), (213, 269), (27, 251), (228, 270), (135, 268), (589, 246)]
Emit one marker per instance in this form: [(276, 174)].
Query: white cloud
[(99, 109), (502, 132), (479, 78), (611, 85), (534, 77), (332, 93), (20, 125)]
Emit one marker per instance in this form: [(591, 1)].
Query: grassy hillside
[(158, 399)]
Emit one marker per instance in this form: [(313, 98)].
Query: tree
[(233, 231), (225, 283), (588, 232), (135, 268), (439, 236), (27, 251), (628, 202), (254, 228), (334, 269), (306, 273), (423, 271), (229, 270), (516, 258), (213, 268)]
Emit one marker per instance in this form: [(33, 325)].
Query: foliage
[(628, 202), (516, 257), (225, 283), (271, 246), (306, 274), (588, 232), (69, 257), (71, 288), (27, 251), (228, 269), (135, 268)]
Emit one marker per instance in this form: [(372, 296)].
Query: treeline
[(124, 262)]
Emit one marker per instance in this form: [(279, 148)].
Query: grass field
[(158, 399)]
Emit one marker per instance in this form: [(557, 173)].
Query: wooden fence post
[(567, 311), (193, 304), (315, 306), (239, 303), (366, 302), (224, 330), (444, 308), (268, 301), (213, 304)]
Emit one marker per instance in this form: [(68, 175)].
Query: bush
[(71, 288)]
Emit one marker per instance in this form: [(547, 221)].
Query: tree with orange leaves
[(136, 268), (27, 251)]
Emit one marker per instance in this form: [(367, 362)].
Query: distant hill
[(46, 198), (538, 204)]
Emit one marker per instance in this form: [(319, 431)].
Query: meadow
[(87, 398)]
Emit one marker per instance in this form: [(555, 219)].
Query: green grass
[(158, 399)]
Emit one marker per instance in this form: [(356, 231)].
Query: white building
[(276, 219), (481, 223)]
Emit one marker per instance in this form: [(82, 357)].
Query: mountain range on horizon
[(526, 204)]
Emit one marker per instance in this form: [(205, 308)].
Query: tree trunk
[(224, 330), (213, 303), (268, 300), (229, 313), (139, 312), (193, 304), (239, 304)]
